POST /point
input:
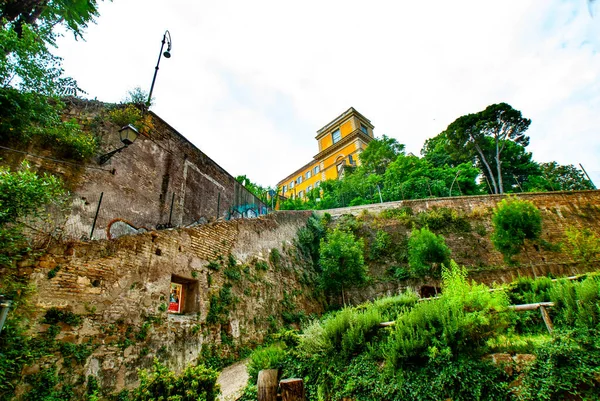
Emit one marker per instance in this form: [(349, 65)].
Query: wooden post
[(267, 385), (546, 318), (292, 390)]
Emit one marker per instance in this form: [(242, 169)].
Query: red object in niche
[(176, 298)]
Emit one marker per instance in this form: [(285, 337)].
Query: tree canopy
[(471, 134)]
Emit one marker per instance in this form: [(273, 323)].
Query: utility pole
[(588, 177)]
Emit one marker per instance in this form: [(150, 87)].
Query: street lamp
[(166, 39), (128, 135)]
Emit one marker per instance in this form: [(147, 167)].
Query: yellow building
[(340, 143)]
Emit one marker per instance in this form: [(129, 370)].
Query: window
[(317, 169), (284, 189), (317, 183), (299, 179), (350, 159), (309, 189), (291, 184), (183, 295), (364, 129), (300, 194), (336, 135), (308, 174)]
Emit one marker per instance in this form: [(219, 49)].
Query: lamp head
[(167, 54)]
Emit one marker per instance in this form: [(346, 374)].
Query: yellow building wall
[(346, 128), (325, 142)]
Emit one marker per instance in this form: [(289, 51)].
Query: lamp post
[(128, 135), (166, 39)]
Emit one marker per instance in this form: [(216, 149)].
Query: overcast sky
[(250, 82)]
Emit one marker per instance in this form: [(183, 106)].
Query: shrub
[(261, 265), (55, 315), (309, 238), (342, 261), (380, 245), (584, 245), (459, 321), (427, 252), (275, 258), (445, 219), (270, 357), (514, 222), (160, 383)]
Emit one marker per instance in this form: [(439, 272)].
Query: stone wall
[(121, 286), (161, 178), (473, 248)]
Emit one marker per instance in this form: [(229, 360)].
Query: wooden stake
[(267, 385), (292, 390), (547, 319)]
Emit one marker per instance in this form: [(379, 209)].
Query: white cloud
[(250, 82)]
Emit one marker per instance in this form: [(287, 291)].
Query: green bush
[(381, 245), (270, 357), (427, 252), (443, 219), (514, 222), (55, 315), (195, 383), (584, 245), (275, 258), (460, 321), (342, 261)]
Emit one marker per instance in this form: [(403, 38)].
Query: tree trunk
[(499, 169), (488, 168), (267, 385), (292, 390)]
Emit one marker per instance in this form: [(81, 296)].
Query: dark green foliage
[(55, 315), (400, 213), (195, 383), (275, 258), (219, 305), (380, 246), (443, 219), (484, 136), (556, 177), (565, 368), (342, 261), (427, 252), (514, 222), (309, 238), (214, 265), (53, 272), (261, 265), (458, 322), (270, 357), (584, 245), (233, 273), (231, 261)]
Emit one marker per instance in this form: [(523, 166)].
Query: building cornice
[(351, 111), (295, 173), (343, 142)]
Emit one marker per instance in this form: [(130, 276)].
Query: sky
[(250, 82)]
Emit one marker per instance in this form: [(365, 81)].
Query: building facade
[(340, 143)]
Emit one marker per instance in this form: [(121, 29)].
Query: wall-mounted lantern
[(4, 308), (128, 135)]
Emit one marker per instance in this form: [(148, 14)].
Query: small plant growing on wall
[(514, 222), (584, 245)]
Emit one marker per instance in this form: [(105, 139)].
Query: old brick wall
[(118, 285), (140, 184), (473, 248)]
